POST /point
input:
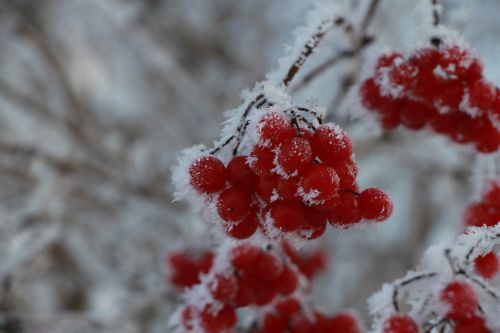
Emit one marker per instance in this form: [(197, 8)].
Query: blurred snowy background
[(97, 98)]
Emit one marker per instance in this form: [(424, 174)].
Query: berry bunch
[(294, 180), (440, 87), (185, 270), (287, 317), (460, 302), (254, 277), (486, 212)]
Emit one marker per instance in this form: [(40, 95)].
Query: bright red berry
[(245, 228), (207, 174), (218, 321), (294, 155), (348, 212), (487, 265), (287, 282), (319, 183), (461, 299), (482, 94), (233, 204), (287, 216), (400, 323), (274, 128), (223, 288), (330, 143), (240, 174), (375, 204), (345, 322), (261, 161), (266, 188)]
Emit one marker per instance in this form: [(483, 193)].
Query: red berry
[(348, 212), (223, 288), (218, 321), (288, 307), (330, 143), (294, 155), (319, 183), (400, 323), (482, 94), (375, 204), (240, 174), (415, 115), (245, 256), (488, 140), (370, 95), (492, 196), (244, 228), (328, 205), (387, 60), (274, 128), (345, 322), (261, 161), (287, 216), (185, 271), (266, 188), (471, 325), (187, 316), (287, 189), (233, 204), (480, 214), (461, 299), (287, 282), (487, 265), (347, 171), (315, 224), (245, 295), (207, 174), (273, 323)]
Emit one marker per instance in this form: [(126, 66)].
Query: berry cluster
[(440, 87), (288, 317), (255, 277), (246, 276), (294, 180), (486, 212), (461, 304)]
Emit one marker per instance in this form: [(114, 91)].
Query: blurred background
[(98, 97)]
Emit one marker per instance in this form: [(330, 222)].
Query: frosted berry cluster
[(245, 276), (448, 293), (486, 212), (287, 317), (294, 180), (440, 87)]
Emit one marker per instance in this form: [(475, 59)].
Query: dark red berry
[(319, 183), (233, 204), (240, 174)]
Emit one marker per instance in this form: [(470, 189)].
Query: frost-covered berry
[(331, 144), (261, 161), (461, 300), (286, 216), (223, 287), (233, 204), (218, 320), (375, 204), (345, 322), (207, 174), (274, 128), (240, 174), (487, 265), (400, 323), (319, 183), (294, 155), (245, 228)]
